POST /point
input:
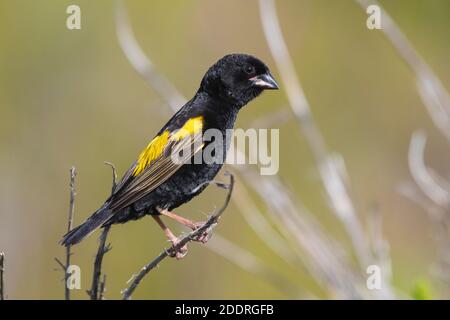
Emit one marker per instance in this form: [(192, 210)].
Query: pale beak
[(265, 81)]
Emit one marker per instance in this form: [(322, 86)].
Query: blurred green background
[(70, 97)]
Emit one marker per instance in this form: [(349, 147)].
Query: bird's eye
[(249, 69)]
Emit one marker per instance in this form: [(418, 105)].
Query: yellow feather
[(151, 152), (191, 127), (156, 147)]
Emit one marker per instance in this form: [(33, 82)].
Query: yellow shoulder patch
[(191, 127), (156, 147)]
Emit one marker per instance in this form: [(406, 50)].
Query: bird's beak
[(265, 81)]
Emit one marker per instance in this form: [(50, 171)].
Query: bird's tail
[(86, 228)]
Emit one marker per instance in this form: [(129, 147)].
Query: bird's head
[(237, 78)]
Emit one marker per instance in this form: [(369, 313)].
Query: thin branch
[(2, 276), (97, 286), (65, 267), (114, 176), (96, 274), (73, 174), (208, 225), (61, 264)]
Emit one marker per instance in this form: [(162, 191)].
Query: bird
[(164, 176)]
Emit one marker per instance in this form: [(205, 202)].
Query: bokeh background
[(70, 97)]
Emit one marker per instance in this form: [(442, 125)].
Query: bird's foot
[(177, 252), (205, 235)]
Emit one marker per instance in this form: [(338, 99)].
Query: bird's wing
[(164, 155)]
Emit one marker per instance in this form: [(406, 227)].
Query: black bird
[(158, 181)]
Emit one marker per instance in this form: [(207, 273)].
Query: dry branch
[(65, 266), (73, 174), (95, 293), (98, 286), (207, 226)]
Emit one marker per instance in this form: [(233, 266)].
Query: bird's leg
[(188, 223), (204, 237), (180, 252)]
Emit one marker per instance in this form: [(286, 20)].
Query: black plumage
[(227, 86)]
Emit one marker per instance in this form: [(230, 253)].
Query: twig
[(2, 274), (65, 267), (96, 274), (114, 176), (97, 286), (59, 262), (208, 225), (73, 174)]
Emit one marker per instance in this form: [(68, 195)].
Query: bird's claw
[(178, 252), (204, 236)]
